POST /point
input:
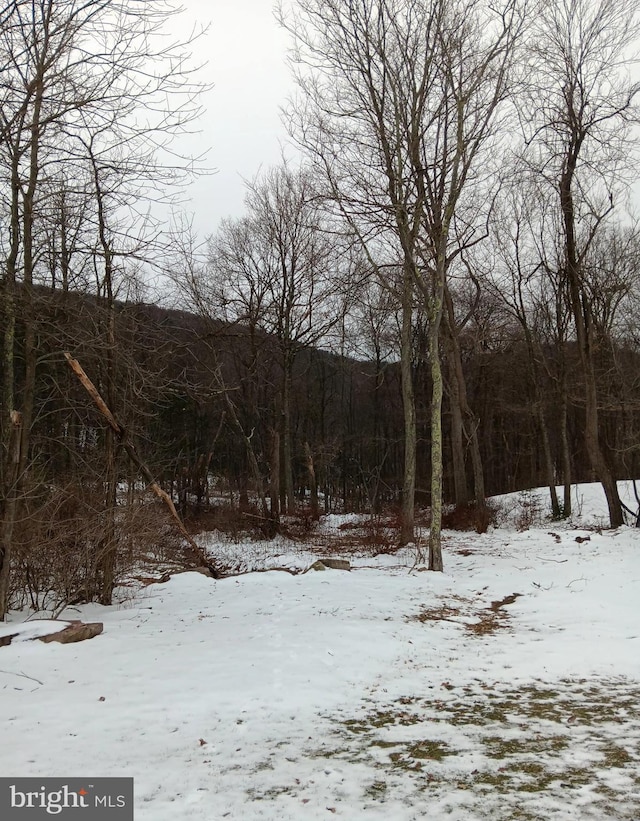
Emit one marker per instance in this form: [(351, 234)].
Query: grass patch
[(508, 745), (616, 756), (376, 791), (500, 747), (432, 750), (269, 794)]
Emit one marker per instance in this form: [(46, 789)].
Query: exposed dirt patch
[(480, 622), (496, 605), (442, 613)]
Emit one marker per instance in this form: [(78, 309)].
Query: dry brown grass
[(484, 621)]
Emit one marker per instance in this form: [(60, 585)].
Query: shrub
[(470, 517)]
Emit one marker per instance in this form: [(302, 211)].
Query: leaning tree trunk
[(132, 453)]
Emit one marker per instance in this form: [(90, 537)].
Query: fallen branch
[(133, 454), (22, 675), (291, 572)]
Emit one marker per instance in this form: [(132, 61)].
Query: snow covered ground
[(380, 693)]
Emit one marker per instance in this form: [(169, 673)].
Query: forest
[(439, 303)]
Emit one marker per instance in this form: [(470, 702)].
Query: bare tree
[(275, 271), (577, 118), (523, 275), (398, 103), (74, 74)]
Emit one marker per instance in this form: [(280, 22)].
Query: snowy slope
[(380, 693)]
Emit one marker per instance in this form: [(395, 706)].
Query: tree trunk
[(594, 449), (407, 531), (29, 193), (476, 462), (313, 485), (435, 319), (435, 531), (16, 426), (548, 461), (10, 508), (9, 308), (470, 422), (274, 475), (287, 459), (461, 491), (566, 452), (133, 454), (251, 457), (106, 565)]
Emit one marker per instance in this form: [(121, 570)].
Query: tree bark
[(407, 527), (29, 389), (470, 422), (435, 307), (566, 451), (106, 564), (548, 461), (313, 485), (287, 458), (460, 488), (10, 507), (274, 475), (435, 530)]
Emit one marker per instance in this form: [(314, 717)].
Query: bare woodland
[(438, 304)]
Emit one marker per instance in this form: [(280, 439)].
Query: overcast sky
[(245, 50)]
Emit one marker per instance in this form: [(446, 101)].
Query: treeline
[(177, 377)]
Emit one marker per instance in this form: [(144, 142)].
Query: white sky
[(245, 50)]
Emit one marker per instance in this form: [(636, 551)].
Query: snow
[(28, 630), (371, 694)]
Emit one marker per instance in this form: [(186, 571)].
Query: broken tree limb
[(133, 454)]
